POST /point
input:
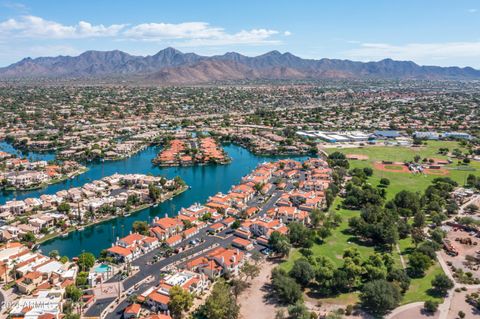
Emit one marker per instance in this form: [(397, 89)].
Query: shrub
[(430, 306)]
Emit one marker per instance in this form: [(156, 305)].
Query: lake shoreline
[(134, 211)]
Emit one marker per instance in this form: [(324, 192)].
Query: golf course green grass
[(340, 239)]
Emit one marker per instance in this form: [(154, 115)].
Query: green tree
[(53, 254), (180, 301), (221, 303), (73, 293), (384, 182), (300, 235), (29, 237), (82, 279), (302, 272), (299, 311), (64, 208), (154, 192), (379, 296), (279, 243), (418, 264), (140, 227), (238, 286), (430, 306), (86, 261), (285, 287), (442, 284), (250, 270), (401, 278)]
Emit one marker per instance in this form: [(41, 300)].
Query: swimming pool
[(102, 268)]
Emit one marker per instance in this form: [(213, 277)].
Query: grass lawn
[(419, 287), (340, 240), (407, 181), (336, 243)]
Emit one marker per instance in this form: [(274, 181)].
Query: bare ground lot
[(254, 301), (459, 304), (463, 250), (358, 157)]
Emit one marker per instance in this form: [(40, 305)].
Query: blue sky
[(431, 32)]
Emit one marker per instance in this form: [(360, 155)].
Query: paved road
[(403, 308), (154, 270)]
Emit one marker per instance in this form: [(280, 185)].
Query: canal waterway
[(203, 180)]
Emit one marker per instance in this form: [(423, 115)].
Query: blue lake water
[(204, 181)]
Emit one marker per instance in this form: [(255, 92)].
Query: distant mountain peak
[(170, 65), (169, 50)]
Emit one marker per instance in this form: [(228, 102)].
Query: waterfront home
[(26, 228), (158, 232), (170, 225), (32, 203), (120, 254), (100, 273), (26, 179), (196, 211), (75, 195), (15, 207), (4, 155)]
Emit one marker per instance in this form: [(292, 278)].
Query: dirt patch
[(440, 171), (359, 157), (459, 304), (469, 247), (253, 301), (394, 167)]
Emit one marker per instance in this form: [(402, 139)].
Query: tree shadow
[(360, 242)]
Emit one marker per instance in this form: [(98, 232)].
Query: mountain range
[(170, 66)]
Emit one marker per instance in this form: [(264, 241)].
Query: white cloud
[(159, 31), (182, 34), (472, 10), (36, 27), (287, 33), (416, 51), (197, 34)]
